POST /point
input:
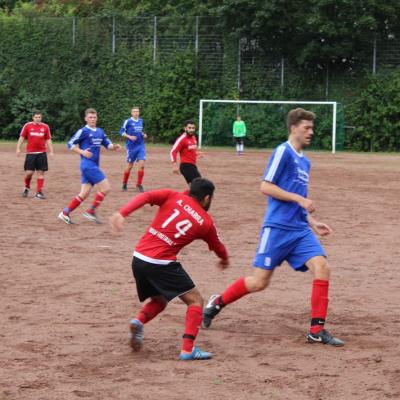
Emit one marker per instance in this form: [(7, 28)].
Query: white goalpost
[(331, 103)]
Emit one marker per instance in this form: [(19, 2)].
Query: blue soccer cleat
[(196, 354)]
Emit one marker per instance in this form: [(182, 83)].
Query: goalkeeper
[(239, 133)]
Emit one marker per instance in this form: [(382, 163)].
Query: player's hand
[(223, 264), (117, 223), (307, 204), (175, 169), (87, 153), (200, 154), (18, 152), (133, 138), (117, 147), (51, 155), (321, 228), (145, 135)]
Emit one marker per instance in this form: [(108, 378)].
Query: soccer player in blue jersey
[(288, 230), (87, 142), (132, 131)]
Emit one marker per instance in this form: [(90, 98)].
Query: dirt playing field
[(67, 292)]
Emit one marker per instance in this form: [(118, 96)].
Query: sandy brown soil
[(67, 291)]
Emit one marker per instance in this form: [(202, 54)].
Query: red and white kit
[(187, 147), (180, 220), (36, 134)]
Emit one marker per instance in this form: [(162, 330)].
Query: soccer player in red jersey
[(181, 218), (186, 146), (39, 141)]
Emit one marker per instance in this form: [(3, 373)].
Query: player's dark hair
[(90, 111), (200, 188), (36, 112), (189, 122), (298, 114)]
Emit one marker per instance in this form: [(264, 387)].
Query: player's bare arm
[(270, 189), (117, 223), (84, 153), (49, 145), (319, 228), (130, 137), (114, 147), (175, 168), (19, 144)]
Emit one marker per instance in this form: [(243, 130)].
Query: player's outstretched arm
[(270, 189), (319, 228), (117, 223), (19, 144), (113, 146)]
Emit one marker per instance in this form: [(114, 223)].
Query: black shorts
[(169, 280), (36, 162), (239, 140), (189, 172)]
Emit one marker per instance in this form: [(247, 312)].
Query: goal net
[(266, 122)]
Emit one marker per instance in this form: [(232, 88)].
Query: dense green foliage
[(42, 66)]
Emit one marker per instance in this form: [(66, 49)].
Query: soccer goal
[(281, 108)]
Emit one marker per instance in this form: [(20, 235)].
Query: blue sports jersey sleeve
[(277, 164), (76, 138), (106, 141), (124, 127)]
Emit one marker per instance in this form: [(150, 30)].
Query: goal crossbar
[(332, 103)]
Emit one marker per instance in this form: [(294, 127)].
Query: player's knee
[(322, 270)]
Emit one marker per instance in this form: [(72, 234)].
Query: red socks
[(150, 310), (28, 182), (40, 183), (97, 201), (319, 304), (126, 176), (140, 175), (234, 292), (75, 202), (194, 316)]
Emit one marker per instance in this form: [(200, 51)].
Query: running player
[(287, 231), (87, 142), (132, 130), (181, 219), (186, 146), (39, 141)]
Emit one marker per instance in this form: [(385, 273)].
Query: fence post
[(374, 57), (113, 36), (239, 67), (154, 40), (327, 82), (73, 30)]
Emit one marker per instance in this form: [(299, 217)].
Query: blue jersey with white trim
[(90, 139), (133, 128), (290, 171)]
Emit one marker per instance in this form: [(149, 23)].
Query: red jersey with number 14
[(36, 134), (179, 221)]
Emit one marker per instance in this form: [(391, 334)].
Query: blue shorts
[(92, 175), (136, 154), (278, 245)]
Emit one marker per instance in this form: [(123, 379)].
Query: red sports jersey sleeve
[(179, 221), (152, 197), (215, 244)]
